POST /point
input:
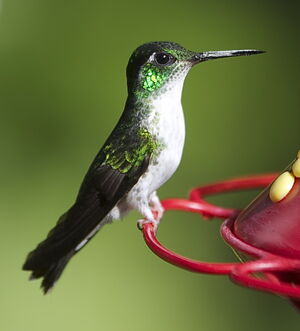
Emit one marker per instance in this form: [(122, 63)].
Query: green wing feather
[(126, 157), (121, 160)]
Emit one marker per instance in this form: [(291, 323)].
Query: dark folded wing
[(112, 174)]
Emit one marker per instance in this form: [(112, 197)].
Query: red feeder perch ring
[(267, 233)]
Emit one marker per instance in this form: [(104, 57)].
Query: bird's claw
[(156, 206), (154, 222), (158, 212)]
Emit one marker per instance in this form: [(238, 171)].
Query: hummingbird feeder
[(265, 235)]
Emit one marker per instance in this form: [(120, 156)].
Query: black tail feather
[(102, 189), (51, 256), (52, 273), (55, 272)]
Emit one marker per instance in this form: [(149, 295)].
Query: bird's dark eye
[(164, 59)]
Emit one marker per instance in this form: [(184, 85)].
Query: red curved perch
[(270, 266)]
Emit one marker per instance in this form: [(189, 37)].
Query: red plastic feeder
[(266, 234)]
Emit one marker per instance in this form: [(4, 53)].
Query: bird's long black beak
[(201, 57)]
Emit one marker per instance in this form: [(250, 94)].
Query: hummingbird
[(141, 154)]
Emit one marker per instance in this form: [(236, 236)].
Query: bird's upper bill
[(211, 55)]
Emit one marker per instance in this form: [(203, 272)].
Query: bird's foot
[(156, 207), (152, 212), (158, 212), (142, 222)]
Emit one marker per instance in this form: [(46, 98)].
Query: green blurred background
[(63, 87)]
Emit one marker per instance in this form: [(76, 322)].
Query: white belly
[(172, 134), (169, 129)]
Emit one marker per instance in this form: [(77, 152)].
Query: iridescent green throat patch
[(154, 77)]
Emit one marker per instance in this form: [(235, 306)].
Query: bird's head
[(157, 66)]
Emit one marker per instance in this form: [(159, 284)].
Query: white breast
[(168, 126), (171, 131)]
